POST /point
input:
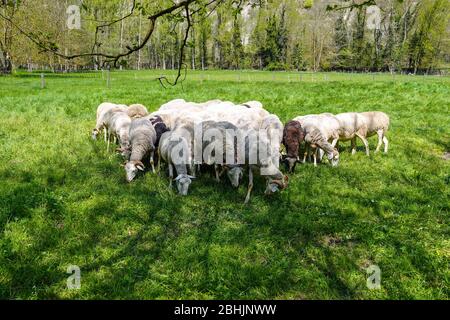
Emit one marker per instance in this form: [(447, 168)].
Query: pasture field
[(64, 200)]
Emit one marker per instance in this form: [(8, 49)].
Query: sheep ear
[(139, 163), (140, 167), (191, 177)]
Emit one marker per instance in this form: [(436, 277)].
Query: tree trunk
[(139, 39), (5, 63), (193, 53)]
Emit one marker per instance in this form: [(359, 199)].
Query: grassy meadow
[(64, 200)]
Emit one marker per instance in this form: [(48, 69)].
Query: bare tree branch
[(352, 5), (183, 46), (109, 24), (110, 58)]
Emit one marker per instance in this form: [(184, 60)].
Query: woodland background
[(412, 37)]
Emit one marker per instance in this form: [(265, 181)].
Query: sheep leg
[(108, 141), (216, 169), (170, 174), (105, 133), (152, 163), (159, 161), (354, 146), (250, 185), (305, 154), (386, 144), (380, 140), (315, 157), (222, 171), (321, 153), (366, 143), (334, 142), (193, 169), (159, 165)]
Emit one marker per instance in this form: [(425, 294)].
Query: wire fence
[(110, 78)]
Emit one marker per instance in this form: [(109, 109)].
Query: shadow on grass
[(141, 240)]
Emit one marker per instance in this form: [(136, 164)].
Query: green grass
[(64, 200)]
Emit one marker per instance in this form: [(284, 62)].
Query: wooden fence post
[(108, 78), (42, 81)]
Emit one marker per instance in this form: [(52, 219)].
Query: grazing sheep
[(274, 128), (172, 117), (186, 129), (315, 139), (204, 105), (228, 147), (118, 128), (266, 164), (326, 124), (173, 104), (142, 146), (377, 123), (256, 106), (253, 104), (352, 125), (160, 128), (293, 136), (174, 149), (104, 113), (136, 111)]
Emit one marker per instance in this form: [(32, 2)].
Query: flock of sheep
[(232, 139)]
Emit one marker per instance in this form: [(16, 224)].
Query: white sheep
[(104, 113), (118, 129), (142, 146), (314, 139), (377, 123), (174, 149), (219, 137), (266, 164), (173, 104), (135, 111), (352, 125), (274, 128), (328, 126)]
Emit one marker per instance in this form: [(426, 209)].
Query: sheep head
[(183, 182), (132, 168), (290, 163), (274, 186), (334, 157), (94, 134), (234, 174)]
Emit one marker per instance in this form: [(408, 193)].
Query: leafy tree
[(236, 45)]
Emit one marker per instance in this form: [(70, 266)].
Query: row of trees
[(376, 35)]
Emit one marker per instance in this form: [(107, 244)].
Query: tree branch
[(180, 61), (352, 5), (111, 58)]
